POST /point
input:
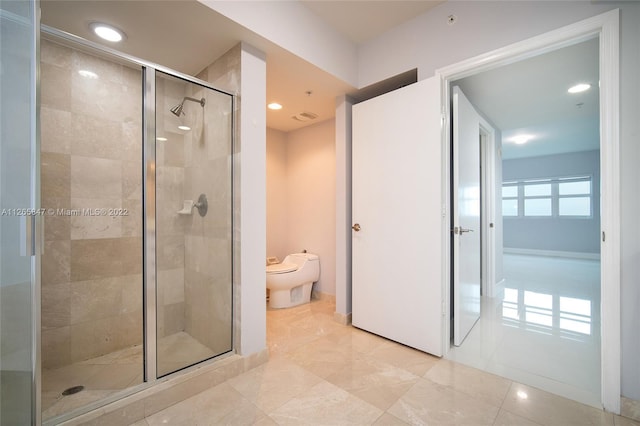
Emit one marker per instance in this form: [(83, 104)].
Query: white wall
[(253, 122), (276, 193), (297, 29), (428, 43), (306, 220)]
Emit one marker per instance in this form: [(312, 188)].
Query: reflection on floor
[(324, 373), (105, 375), (543, 329)]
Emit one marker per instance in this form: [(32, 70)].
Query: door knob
[(356, 227)]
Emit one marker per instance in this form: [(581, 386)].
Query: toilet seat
[(281, 268)]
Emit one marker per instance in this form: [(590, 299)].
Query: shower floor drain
[(72, 390)]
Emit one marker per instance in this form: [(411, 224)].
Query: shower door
[(193, 223), (19, 203)]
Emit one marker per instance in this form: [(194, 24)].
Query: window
[(510, 199), (537, 198), (574, 197), (551, 197)]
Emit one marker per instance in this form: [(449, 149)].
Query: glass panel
[(193, 223), (509, 191), (537, 207), (574, 188), (18, 191), (537, 190), (510, 207), (91, 168), (575, 206)]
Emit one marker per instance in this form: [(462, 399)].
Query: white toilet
[(290, 282)]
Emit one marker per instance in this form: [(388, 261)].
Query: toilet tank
[(301, 258)]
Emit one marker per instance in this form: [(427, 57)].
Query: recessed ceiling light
[(274, 105), (107, 32), (521, 139), (88, 74), (582, 87), (161, 139), (185, 128)]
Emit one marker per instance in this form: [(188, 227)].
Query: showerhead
[(177, 110)]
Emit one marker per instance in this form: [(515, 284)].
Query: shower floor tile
[(100, 376), (113, 372)]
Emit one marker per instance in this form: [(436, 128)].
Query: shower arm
[(199, 101)]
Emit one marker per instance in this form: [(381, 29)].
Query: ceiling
[(187, 36), (530, 97)]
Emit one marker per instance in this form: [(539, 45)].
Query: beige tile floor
[(105, 375), (324, 373)]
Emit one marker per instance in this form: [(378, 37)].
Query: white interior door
[(397, 215), (466, 216)]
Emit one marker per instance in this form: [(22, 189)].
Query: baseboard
[(552, 253), (344, 319), (318, 295), (630, 409)]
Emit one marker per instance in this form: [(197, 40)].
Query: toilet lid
[(281, 268)]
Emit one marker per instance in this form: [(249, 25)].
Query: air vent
[(305, 116)]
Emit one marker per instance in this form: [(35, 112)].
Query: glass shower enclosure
[(135, 251)]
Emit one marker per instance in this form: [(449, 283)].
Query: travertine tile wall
[(90, 159), (225, 74)]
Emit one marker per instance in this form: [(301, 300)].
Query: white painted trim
[(488, 183), (606, 26), (610, 210), (552, 253)]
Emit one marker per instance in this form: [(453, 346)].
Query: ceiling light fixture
[(274, 106), (185, 128), (107, 32), (582, 87), (521, 139), (161, 139)]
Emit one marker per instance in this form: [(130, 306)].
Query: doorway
[(603, 27)]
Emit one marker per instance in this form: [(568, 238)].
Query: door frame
[(606, 27), (488, 207)]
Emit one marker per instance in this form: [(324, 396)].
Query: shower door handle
[(459, 230), (27, 235)]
